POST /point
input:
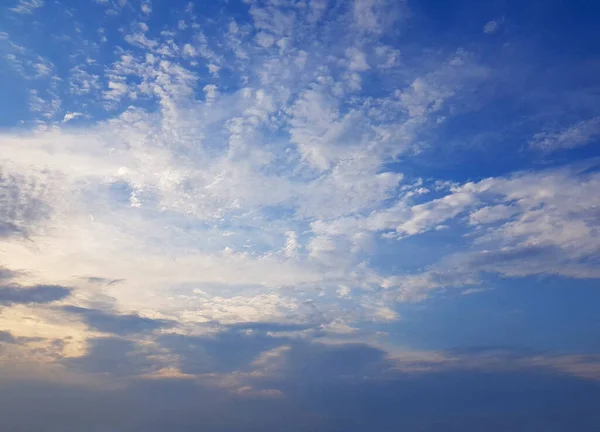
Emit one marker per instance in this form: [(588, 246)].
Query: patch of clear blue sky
[(546, 314)]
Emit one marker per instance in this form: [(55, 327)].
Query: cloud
[(41, 294), (377, 15), (357, 60), (211, 91), (578, 135), (7, 337), (491, 214), (27, 6), (429, 94), (146, 8), (7, 274), (71, 115), (492, 26), (240, 181), (82, 82), (532, 228), (265, 40), (121, 324), (116, 90), (470, 291)]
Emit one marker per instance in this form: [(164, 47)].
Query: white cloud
[(490, 214), (27, 6), (358, 60), (140, 40), (291, 244), (272, 19), (189, 50), (471, 291), (429, 215), (47, 107), (493, 26), (214, 69), (549, 228), (83, 82), (317, 10), (389, 56), (146, 7), (540, 223), (71, 115), (377, 15), (577, 135), (265, 39), (211, 92), (116, 91), (428, 94)]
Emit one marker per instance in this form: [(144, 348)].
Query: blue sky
[(356, 214)]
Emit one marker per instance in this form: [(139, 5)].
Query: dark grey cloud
[(228, 351), (103, 281), (7, 337), (13, 294), (7, 274), (117, 324), (115, 357)]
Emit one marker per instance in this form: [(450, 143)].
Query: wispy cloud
[(577, 135), (493, 26), (27, 6)]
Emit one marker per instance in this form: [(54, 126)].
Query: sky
[(303, 215)]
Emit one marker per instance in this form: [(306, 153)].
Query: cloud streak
[(36, 294)]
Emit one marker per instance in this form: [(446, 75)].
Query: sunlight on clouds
[(27, 6), (44, 325), (254, 187)]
